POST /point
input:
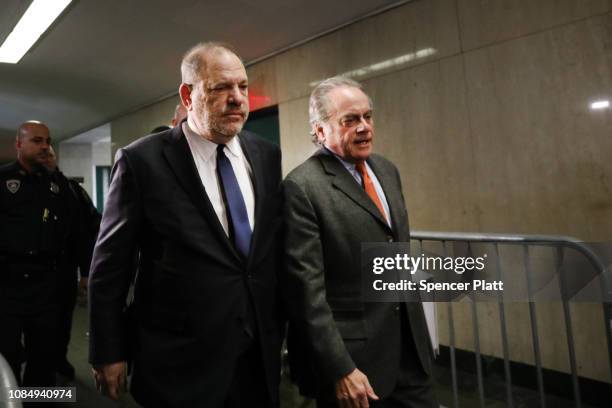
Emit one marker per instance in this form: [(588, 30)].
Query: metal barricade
[(7, 381), (527, 242)]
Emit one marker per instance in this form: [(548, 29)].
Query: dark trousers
[(414, 388), (28, 323), (248, 387), (38, 331), (67, 293)]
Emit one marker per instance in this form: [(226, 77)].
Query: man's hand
[(82, 291), (83, 281), (110, 378), (354, 390)]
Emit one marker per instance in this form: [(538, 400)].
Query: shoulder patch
[(13, 185)]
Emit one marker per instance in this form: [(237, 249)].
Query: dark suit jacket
[(194, 296), (327, 217)]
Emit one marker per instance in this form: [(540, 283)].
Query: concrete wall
[(135, 125), (484, 108), (81, 159), (74, 159), (7, 146)]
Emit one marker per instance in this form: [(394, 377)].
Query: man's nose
[(364, 125), (236, 95)]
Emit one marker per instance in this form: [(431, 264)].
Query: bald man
[(37, 225), (32, 143)]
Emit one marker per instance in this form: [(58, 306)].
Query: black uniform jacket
[(39, 226), (193, 292), (38, 213)]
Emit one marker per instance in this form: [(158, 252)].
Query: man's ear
[(185, 95), (17, 143), (319, 130)]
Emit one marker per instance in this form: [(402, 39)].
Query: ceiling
[(101, 59)]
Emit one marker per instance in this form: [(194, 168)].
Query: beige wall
[(74, 159), (491, 132), (140, 123), (7, 147)]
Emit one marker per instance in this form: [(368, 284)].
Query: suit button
[(389, 238), (26, 275), (397, 309)]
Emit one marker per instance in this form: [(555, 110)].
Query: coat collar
[(344, 181)]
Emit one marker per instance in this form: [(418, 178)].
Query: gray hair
[(194, 60), (318, 106)]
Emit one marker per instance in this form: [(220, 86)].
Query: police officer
[(37, 225), (76, 258)]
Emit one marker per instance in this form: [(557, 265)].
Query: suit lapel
[(179, 158), (345, 182)]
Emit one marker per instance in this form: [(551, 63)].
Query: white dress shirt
[(204, 154)]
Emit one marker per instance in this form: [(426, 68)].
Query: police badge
[(13, 185), (54, 188)]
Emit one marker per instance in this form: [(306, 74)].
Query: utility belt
[(27, 268)]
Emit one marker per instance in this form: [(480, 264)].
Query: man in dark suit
[(343, 350), (200, 205)]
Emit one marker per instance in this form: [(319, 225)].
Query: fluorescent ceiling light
[(600, 105), (386, 65), (34, 22)]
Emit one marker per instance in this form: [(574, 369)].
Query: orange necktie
[(369, 188)]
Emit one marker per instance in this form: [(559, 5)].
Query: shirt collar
[(208, 149), (233, 146), (351, 167)]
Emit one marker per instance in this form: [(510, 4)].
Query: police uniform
[(76, 258), (37, 225)]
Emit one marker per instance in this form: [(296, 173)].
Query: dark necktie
[(238, 220), (370, 190)]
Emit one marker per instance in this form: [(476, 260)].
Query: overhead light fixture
[(396, 63), (597, 105), (34, 22)]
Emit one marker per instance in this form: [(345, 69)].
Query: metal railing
[(559, 243), (7, 381)]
